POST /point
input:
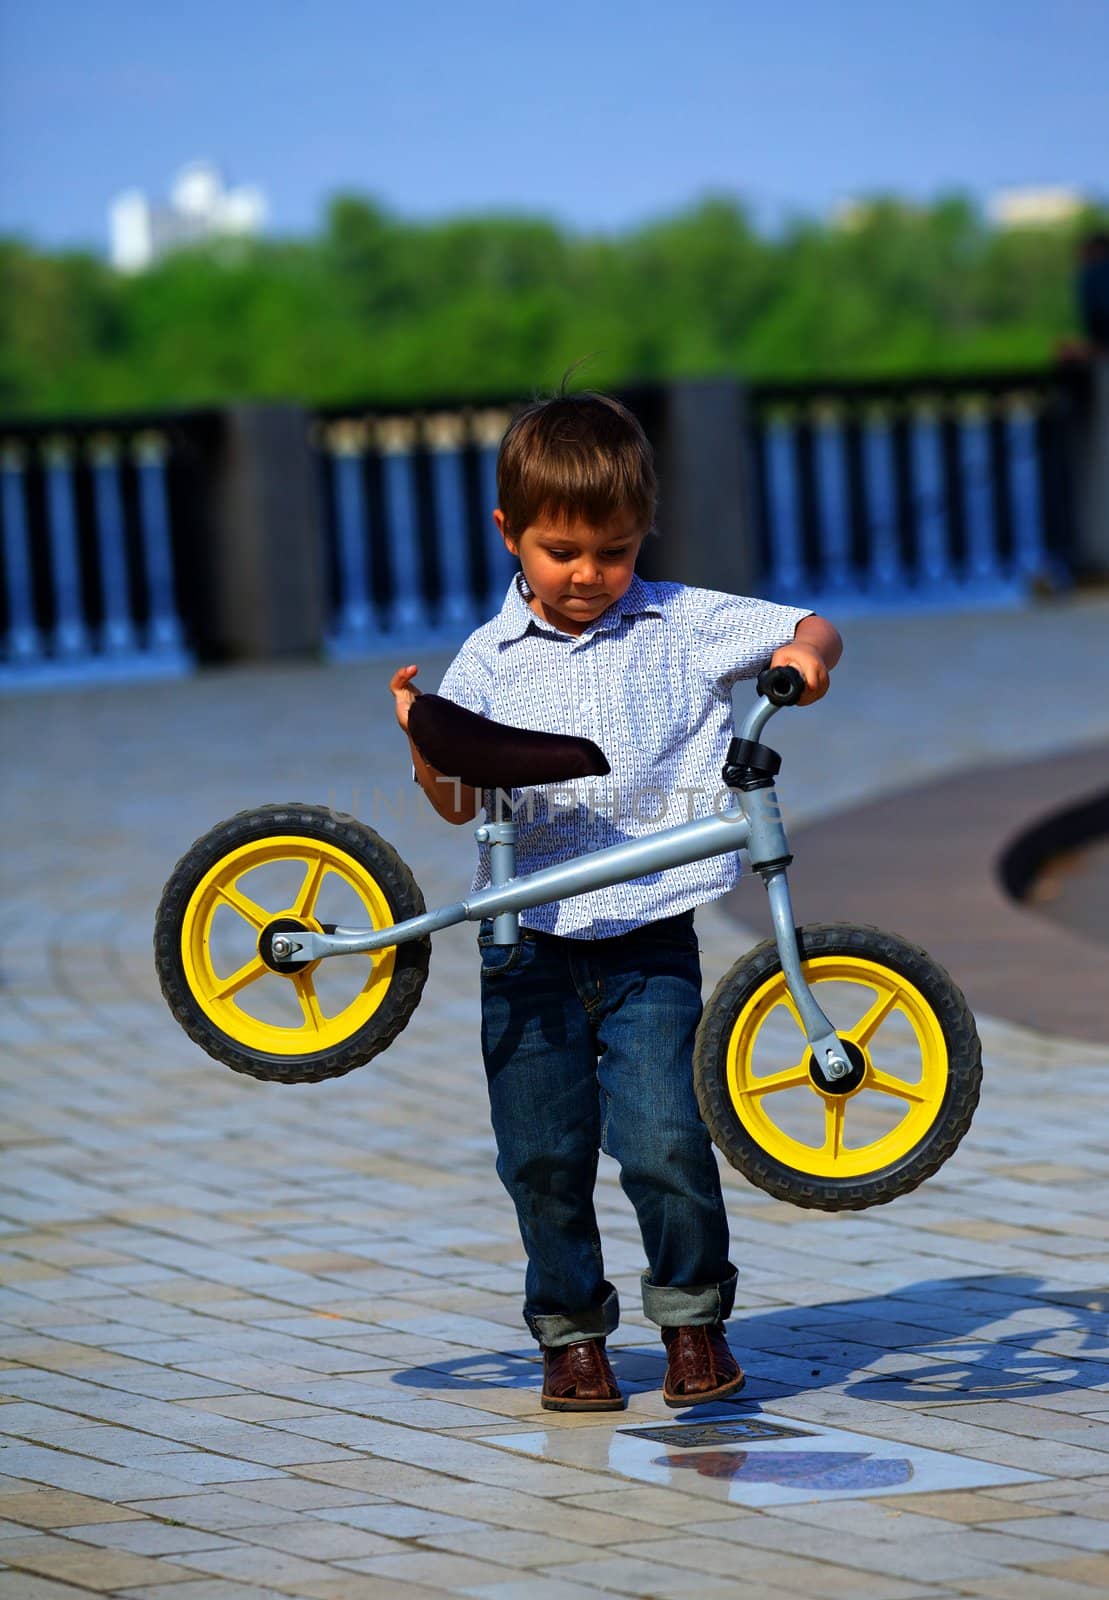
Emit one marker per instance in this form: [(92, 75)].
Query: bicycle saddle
[(492, 755)]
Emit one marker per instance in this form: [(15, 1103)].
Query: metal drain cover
[(697, 1435)]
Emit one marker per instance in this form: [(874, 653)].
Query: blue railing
[(118, 537), (86, 553), (408, 500), (937, 491)]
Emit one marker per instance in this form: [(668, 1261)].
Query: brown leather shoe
[(577, 1377), (699, 1366)]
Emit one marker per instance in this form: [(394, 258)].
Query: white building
[(1034, 208), (200, 207)]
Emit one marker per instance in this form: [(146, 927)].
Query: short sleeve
[(733, 636), (467, 681)]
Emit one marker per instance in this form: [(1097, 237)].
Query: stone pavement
[(261, 1342)]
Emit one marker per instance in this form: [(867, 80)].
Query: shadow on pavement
[(980, 1337)]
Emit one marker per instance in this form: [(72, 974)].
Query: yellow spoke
[(786, 1002), (309, 1004), (833, 1127), (247, 908), (792, 1078), (886, 1083), (868, 1024), (247, 973), (310, 888)]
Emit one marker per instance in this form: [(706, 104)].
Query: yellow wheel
[(876, 1133), (279, 869)]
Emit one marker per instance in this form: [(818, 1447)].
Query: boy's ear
[(502, 529)]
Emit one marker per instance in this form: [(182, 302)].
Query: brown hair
[(575, 456)]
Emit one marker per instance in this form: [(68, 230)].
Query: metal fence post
[(489, 428), (1090, 458), (117, 630), (445, 432), (706, 519), (262, 557), (24, 640)]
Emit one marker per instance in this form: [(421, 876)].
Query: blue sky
[(599, 114)]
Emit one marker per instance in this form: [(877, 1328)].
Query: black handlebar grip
[(782, 686)]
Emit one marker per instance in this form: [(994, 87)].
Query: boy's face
[(574, 570)]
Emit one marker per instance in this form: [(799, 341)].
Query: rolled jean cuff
[(557, 1328), (673, 1307)]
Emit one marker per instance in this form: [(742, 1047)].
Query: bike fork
[(770, 858)]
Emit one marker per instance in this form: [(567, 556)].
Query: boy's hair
[(575, 456)]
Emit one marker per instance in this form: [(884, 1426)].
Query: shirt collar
[(516, 618)]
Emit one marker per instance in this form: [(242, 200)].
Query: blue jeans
[(588, 1046)]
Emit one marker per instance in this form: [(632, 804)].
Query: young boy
[(588, 1023)]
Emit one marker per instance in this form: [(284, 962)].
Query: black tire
[(369, 851), (738, 1144)]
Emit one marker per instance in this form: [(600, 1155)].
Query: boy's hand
[(404, 692), (809, 663), (814, 650)]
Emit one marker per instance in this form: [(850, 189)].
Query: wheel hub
[(279, 925), (850, 1080)]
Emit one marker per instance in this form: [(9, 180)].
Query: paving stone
[(145, 1537), (358, 1586), (317, 1540), (514, 1547), (59, 1470), (1091, 1569), (295, 1494), (650, 1505), (400, 1521), (275, 1569), (818, 1577), (964, 1506), (910, 1559), (196, 1466), (206, 1589), (257, 1407), (1027, 1586), (26, 1586), (628, 1575), (214, 1512), (1089, 1502), (51, 1508), (85, 1566), (1076, 1531), (533, 1587)]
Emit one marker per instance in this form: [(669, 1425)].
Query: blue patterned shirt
[(649, 680)]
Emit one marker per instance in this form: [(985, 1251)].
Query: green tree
[(381, 308)]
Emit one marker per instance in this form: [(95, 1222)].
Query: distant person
[(1093, 290), (588, 1023)]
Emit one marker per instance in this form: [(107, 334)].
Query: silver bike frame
[(752, 821)]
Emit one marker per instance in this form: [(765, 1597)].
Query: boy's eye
[(568, 555)]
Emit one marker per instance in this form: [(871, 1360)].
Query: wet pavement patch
[(761, 1461)]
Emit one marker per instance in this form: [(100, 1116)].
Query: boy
[(588, 1023)]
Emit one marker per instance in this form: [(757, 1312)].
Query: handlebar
[(782, 686)]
